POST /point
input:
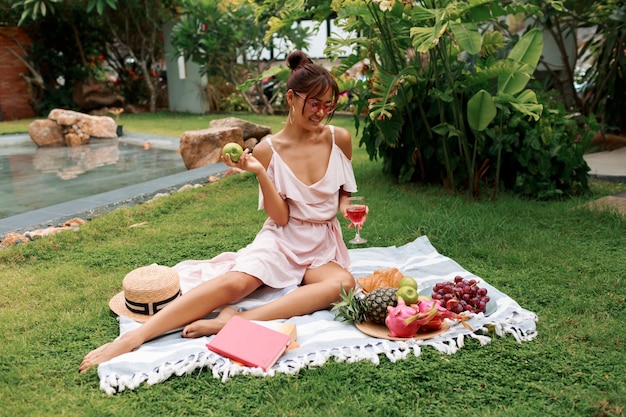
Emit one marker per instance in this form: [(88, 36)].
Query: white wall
[(317, 42), (185, 90)]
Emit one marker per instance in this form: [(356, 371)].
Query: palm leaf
[(492, 40), (425, 38), (421, 14), (526, 103), (390, 129), (384, 99)]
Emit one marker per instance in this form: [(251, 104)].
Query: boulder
[(90, 98), (608, 141), (199, 148), (83, 126), (12, 239), (49, 231), (74, 222), (46, 132), (76, 137), (248, 129), (250, 143)]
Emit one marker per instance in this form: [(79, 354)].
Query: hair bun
[(296, 59)]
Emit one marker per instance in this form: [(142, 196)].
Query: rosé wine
[(356, 214)]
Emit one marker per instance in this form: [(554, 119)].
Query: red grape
[(461, 295)]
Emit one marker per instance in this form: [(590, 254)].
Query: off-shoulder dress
[(280, 255)]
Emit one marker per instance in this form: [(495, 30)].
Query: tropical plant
[(135, 50), (58, 59), (128, 36), (445, 80), (226, 38), (588, 69), (35, 9), (420, 84), (604, 82)]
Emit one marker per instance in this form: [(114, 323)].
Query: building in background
[(14, 92)]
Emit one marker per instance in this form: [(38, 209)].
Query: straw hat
[(146, 291)]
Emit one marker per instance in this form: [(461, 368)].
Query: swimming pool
[(32, 178), (42, 187)]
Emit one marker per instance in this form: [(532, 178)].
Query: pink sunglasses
[(315, 105)]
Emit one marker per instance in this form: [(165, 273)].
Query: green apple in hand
[(408, 294), (234, 150)]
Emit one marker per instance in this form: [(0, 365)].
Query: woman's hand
[(343, 208), (246, 162)]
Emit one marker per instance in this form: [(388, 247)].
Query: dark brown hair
[(309, 78)]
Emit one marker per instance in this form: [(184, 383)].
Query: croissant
[(381, 278)]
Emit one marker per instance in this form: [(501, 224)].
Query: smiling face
[(309, 109), (312, 91)]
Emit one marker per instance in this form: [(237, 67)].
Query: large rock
[(71, 128), (248, 129), (84, 125), (45, 133), (199, 148), (89, 98), (12, 239)]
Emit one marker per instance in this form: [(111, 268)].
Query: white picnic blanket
[(319, 335)]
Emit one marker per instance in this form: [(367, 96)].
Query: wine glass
[(356, 211)]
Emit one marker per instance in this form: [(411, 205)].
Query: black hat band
[(149, 309)]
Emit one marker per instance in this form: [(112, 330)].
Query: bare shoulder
[(263, 153), (343, 139)]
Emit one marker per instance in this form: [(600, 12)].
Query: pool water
[(32, 178)]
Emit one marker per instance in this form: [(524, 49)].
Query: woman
[(305, 175)]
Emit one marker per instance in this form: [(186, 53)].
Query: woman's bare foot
[(108, 351), (209, 327)]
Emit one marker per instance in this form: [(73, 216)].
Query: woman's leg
[(195, 304), (321, 287)]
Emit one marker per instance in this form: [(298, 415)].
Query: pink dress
[(280, 255)]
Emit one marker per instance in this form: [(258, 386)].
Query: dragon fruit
[(426, 315), (397, 320)]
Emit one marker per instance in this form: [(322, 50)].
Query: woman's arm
[(344, 142), (275, 206), (343, 202), (257, 162), (343, 139)]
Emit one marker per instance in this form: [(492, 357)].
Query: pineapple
[(377, 301), (356, 307)]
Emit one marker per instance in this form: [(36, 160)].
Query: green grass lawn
[(565, 263)]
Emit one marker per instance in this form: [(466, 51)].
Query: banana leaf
[(467, 36), (527, 51), (481, 110)]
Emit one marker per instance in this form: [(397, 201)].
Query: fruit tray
[(381, 331)]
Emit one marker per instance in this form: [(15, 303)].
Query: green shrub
[(448, 98), (544, 158)]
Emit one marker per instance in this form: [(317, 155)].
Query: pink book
[(250, 343)]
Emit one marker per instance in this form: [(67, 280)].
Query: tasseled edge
[(521, 326), (224, 369)]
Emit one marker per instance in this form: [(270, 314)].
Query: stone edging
[(15, 238)]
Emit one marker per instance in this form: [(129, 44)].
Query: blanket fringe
[(225, 369)]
